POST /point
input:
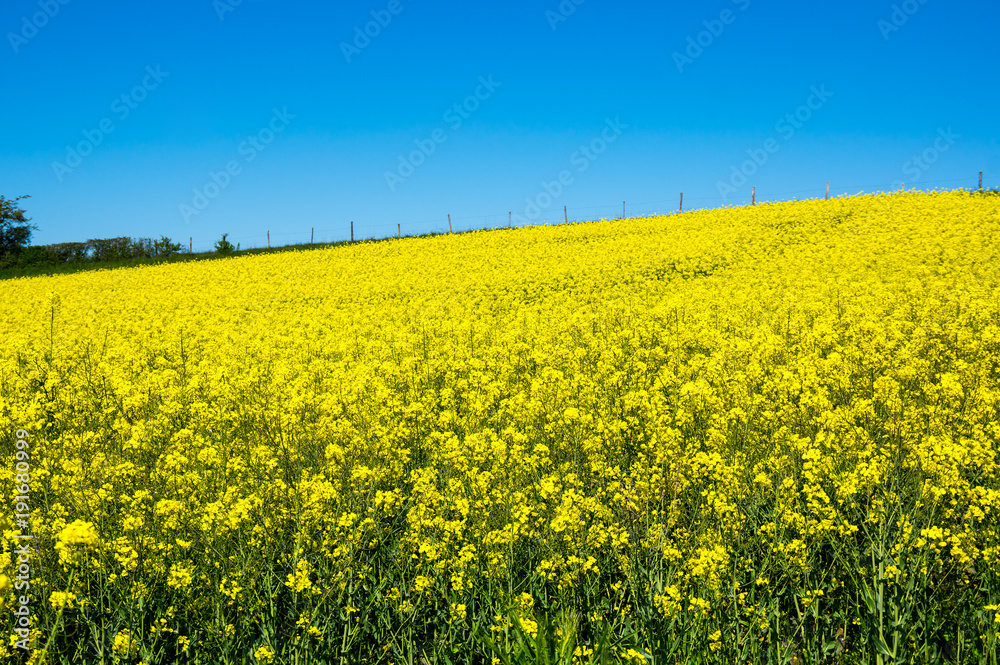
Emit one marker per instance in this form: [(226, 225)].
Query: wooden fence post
[(623, 210), (190, 245), (510, 215), (399, 233), (312, 233), (269, 240), (827, 190), (755, 195), (565, 215), (449, 222), (980, 181), (352, 230), (682, 202)]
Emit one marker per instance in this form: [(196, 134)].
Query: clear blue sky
[(309, 127)]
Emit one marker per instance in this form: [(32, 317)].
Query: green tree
[(15, 230), (165, 247), (224, 246)]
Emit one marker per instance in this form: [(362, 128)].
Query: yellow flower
[(180, 576), (299, 580), (125, 647), (630, 655), (74, 538), (422, 583), (457, 612), (61, 599), (699, 393), (264, 654)]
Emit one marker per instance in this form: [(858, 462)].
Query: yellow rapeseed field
[(759, 434)]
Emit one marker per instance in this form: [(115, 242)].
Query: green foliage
[(15, 229), (67, 252), (166, 247), (114, 249), (223, 246), (94, 251), (32, 255)]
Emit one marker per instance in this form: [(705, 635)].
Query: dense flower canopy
[(749, 433)]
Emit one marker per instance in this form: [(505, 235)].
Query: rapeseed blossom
[(705, 437)]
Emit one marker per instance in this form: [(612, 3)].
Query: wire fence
[(355, 230)]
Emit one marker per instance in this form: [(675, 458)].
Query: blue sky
[(198, 117)]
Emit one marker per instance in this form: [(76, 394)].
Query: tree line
[(15, 250)]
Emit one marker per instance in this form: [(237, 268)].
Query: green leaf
[(882, 647)]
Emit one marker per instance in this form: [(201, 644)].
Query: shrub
[(110, 249), (165, 247), (67, 252), (224, 246), (31, 255), (141, 248)]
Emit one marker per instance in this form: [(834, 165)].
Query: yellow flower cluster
[(264, 655), (642, 417), (74, 539), (125, 647)]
